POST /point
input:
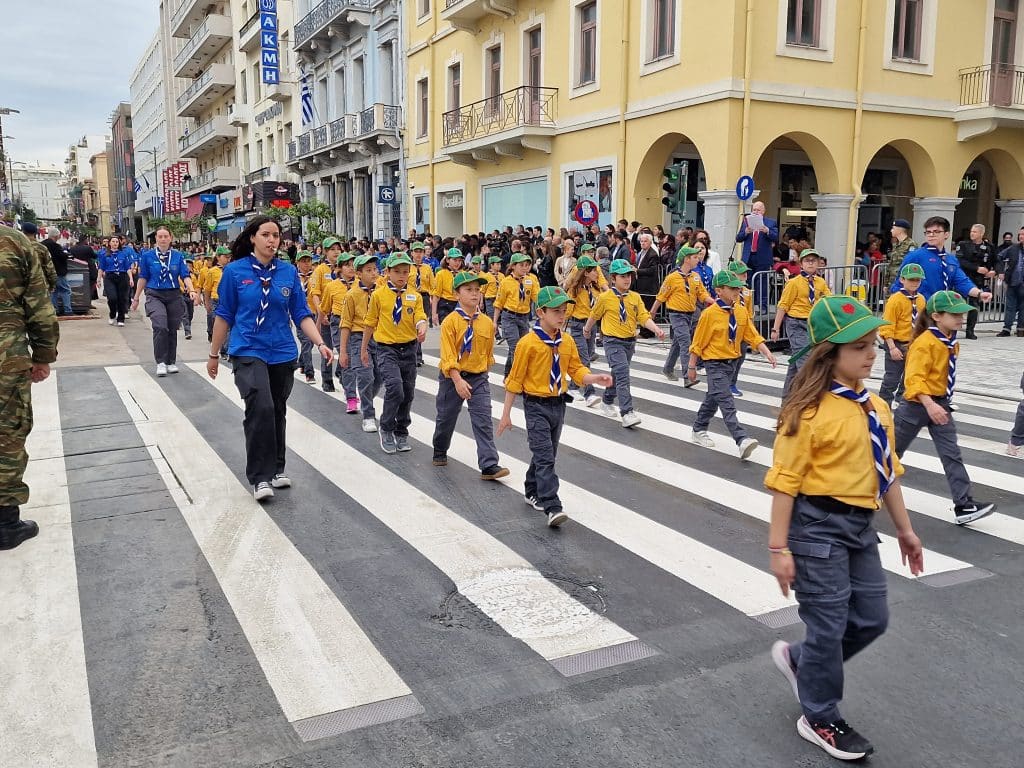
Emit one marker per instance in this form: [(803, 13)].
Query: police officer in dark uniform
[(978, 260)]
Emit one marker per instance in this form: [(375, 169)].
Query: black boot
[(14, 531), (972, 322)]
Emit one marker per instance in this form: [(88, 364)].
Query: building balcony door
[(1004, 36), (533, 75)]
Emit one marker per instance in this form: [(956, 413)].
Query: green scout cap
[(223, 249), (810, 253), (585, 262), (947, 301), (366, 258), (551, 296), (685, 251), (330, 242), (467, 277), (453, 253), (586, 248), (726, 279), (519, 258), (838, 319), (417, 246), (621, 267), (399, 257), (738, 267), (912, 272), (494, 260), (343, 257), (478, 259), (303, 255)]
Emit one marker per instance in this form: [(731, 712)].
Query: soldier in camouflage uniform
[(28, 344), (49, 271), (904, 245)]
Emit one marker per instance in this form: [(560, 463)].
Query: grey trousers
[(910, 417), (682, 328), (305, 352), (396, 365), (366, 378), (513, 328), (1017, 436), (840, 587), (544, 419), (347, 375), (796, 332), (164, 310), (585, 347), (449, 406), (744, 348), (619, 354), (328, 332), (892, 381), (719, 375)]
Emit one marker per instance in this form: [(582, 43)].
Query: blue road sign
[(745, 187), (386, 195)]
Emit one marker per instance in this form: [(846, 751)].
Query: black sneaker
[(263, 491), (972, 511), (439, 460), (310, 379), (972, 336), (532, 501), (328, 386), (493, 473), (1003, 333), (837, 739), (402, 443), (16, 533)]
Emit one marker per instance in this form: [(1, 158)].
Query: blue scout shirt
[(118, 261), (150, 271), (240, 296), (942, 272)]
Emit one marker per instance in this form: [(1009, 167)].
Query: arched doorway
[(897, 173), (992, 175), (648, 193)]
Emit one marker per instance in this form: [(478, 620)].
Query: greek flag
[(137, 187), (158, 207), (306, 93)]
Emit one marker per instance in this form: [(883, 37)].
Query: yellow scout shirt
[(795, 300), (353, 308), (305, 280), (711, 336), (927, 367), (321, 276), (212, 281), (682, 292), (421, 278), (531, 368), (443, 287), (508, 299), (480, 356), (900, 312), (490, 290), (830, 454), (333, 296), (607, 311), (379, 315), (586, 299)]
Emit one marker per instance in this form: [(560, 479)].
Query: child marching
[(929, 381), (353, 326), (442, 297), (682, 292), (583, 286), (833, 466), (621, 313), (467, 353), (332, 296), (547, 360), (795, 306), (717, 341), (516, 295), (745, 300), (901, 310)]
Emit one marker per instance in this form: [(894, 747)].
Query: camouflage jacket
[(49, 271), (892, 268), (28, 324)]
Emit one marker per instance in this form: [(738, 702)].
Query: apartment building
[(78, 170), (96, 195), (42, 187), (348, 151), (847, 114), (121, 158), (149, 115)]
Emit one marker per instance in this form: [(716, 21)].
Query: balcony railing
[(214, 25), (520, 107), (262, 173), (217, 125), (379, 117), (347, 128), (995, 85), (327, 12)]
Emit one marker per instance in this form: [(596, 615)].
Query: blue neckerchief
[(467, 337), (396, 313), (555, 379), (946, 267), (884, 466), (810, 286), (686, 280), (950, 342), (732, 319), (265, 274), (590, 296), (913, 305), (622, 304), (165, 266)]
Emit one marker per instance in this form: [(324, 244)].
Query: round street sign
[(745, 187), (585, 212)]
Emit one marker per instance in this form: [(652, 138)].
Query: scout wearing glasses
[(834, 465), (353, 324), (621, 313), (901, 310), (717, 341), (517, 293), (929, 381), (397, 321), (546, 361), (467, 353), (682, 292), (795, 306)]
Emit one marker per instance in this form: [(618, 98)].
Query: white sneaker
[(703, 439), (593, 400), (609, 410), (161, 369), (369, 425), (172, 368), (631, 419), (780, 655), (532, 501), (747, 446), (281, 481), (263, 491), (120, 325), (110, 321), (1013, 450)]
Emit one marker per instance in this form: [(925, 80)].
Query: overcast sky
[(66, 65)]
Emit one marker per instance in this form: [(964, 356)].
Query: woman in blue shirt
[(259, 297), (159, 272), (115, 270)]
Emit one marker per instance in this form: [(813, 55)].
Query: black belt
[(400, 345), (680, 311), (548, 399), (836, 507), (517, 314), (619, 338)]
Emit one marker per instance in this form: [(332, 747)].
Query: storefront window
[(595, 185)]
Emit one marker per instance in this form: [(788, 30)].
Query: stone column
[(721, 220), (1011, 219), (832, 230), (358, 209), (926, 207)]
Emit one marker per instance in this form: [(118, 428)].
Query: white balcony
[(206, 137), (278, 92), (188, 15), (218, 80), (216, 179), (239, 115), (249, 34), (327, 20), (991, 96), (467, 14), (212, 35)]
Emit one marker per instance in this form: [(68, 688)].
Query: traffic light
[(675, 188)]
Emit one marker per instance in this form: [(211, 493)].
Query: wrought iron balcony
[(990, 96), (216, 179), (363, 132), (505, 125), (207, 136), (329, 13)]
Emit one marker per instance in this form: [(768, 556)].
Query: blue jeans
[(62, 296), (1014, 307)]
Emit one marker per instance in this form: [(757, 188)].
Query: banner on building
[(174, 178), (270, 54)]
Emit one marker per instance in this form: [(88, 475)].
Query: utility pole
[(4, 189)]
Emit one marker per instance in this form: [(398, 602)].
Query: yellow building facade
[(847, 114)]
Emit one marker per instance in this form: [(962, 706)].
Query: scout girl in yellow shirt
[(353, 324), (621, 313), (901, 310), (929, 380), (329, 321), (795, 305), (547, 360), (442, 297), (833, 465), (584, 288)]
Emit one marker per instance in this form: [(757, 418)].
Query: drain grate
[(952, 578), (580, 663), (334, 723), (779, 618)]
